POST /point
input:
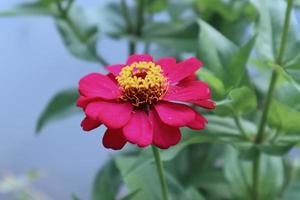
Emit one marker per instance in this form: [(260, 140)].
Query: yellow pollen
[(142, 83)]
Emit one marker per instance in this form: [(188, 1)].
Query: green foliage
[(107, 183), (284, 118), (62, 105)]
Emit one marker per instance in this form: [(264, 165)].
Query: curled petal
[(164, 136), (83, 101), (139, 129), (114, 139), (184, 69), (198, 123), (98, 85), (139, 58), (174, 114), (207, 104), (89, 124), (112, 114)]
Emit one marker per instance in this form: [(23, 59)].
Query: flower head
[(144, 102)]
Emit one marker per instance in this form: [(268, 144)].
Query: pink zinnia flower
[(144, 102)]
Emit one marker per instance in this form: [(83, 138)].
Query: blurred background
[(34, 66)]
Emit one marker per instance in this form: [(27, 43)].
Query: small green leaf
[(107, 182), (239, 101), (237, 66), (63, 104), (284, 118), (216, 85), (79, 34)]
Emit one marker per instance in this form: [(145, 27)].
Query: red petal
[(174, 114), (167, 64), (114, 115), (98, 85), (113, 139), (83, 101), (198, 123), (115, 69), (88, 124), (184, 69), (164, 136), (139, 130), (139, 58), (208, 104), (188, 91)]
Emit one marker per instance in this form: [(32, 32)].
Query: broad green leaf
[(192, 194), (284, 118), (226, 60), (79, 34), (269, 28), (239, 101), (214, 49), (143, 179), (292, 192), (180, 36), (107, 182), (63, 104)]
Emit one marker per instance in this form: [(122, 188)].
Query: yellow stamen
[(143, 83)]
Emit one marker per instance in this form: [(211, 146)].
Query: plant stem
[(160, 171), (240, 127), (268, 101)]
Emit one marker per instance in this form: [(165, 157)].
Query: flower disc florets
[(142, 84)]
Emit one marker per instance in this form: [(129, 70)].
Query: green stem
[(268, 101), (160, 171), (240, 127)]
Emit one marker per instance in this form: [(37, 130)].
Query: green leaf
[(35, 8), (269, 28), (284, 118), (276, 149), (79, 34), (63, 104), (214, 49), (180, 36), (237, 66), (292, 72), (226, 60), (131, 195), (216, 85), (236, 103), (144, 179), (107, 182)]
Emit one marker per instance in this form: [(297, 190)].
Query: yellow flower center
[(142, 83)]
